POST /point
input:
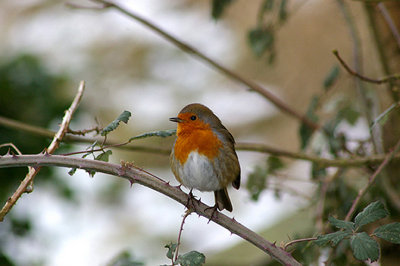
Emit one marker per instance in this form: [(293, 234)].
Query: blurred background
[(47, 47)]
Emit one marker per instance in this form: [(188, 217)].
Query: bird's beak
[(176, 119)]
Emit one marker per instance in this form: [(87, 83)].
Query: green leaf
[(124, 117), (331, 77), (218, 7), (383, 117), (341, 224), (349, 114), (256, 182), (171, 249), (364, 247), (125, 258), (282, 10), (192, 258), (267, 5), (389, 232), (162, 133), (332, 238), (72, 171), (104, 156), (274, 163), (261, 39), (371, 213), (305, 131), (317, 171)]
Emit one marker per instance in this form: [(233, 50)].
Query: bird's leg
[(214, 212), (190, 204)]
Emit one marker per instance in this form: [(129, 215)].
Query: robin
[(203, 156)]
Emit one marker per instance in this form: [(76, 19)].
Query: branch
[(28, 180), (387, 79), (227, 72), (136, 175), (252, 147), (371, 180), (299, 241)]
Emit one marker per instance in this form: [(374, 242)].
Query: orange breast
[(203, 140)]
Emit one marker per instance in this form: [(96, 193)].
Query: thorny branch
[(136, 175), (28, 180), (251, 147)]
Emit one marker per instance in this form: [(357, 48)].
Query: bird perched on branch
[(203, 156)]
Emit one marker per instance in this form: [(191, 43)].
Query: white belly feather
[(199, 173)]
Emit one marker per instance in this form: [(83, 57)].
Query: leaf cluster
[(191, 258), (363, 246)]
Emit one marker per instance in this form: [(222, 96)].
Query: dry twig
[(28, 180)]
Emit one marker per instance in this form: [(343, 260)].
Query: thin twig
[(299, 241), (138, 176), (84, 131), (12, 146), (227, 72), (371, 180), (251, 147), (387, 79), (187, 213), (28, 180)]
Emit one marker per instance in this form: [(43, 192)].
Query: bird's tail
[(222, 200)]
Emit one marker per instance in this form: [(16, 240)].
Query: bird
[(203, 156)]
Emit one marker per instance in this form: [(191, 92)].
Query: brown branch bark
[(251, 147), (136, 175), (352, 72), (28, 180)]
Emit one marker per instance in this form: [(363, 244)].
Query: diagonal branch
[(227, 72), (28, 180), (136, 175), (371, 180)]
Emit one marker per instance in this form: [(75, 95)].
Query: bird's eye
[(193, 117)]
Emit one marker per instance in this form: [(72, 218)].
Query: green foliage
[(349, 226), (161, 133), (331, 78), (282, 11), (332, 238), (124, 117), (125, 258), (349, 114), (363, 246), (261, 39), (191, 258), (171, 250), (104, 156), (371, 213), (218, 7), (384, 116), (305, 131), (256, 181), (20, 226), (389, 232)]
